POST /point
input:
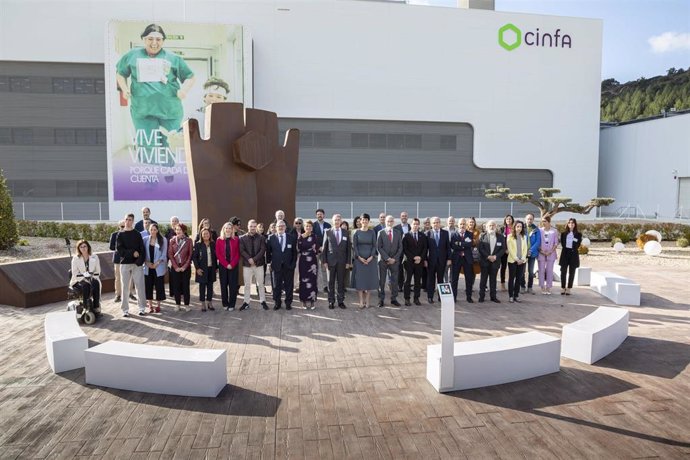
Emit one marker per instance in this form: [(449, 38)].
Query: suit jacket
[(139, 226), (388, 249), (441, 253), (278, 258), (319, 234), (113, 247), (399, 228), (484, 247), (412, 248), (461, 247), (378, 228), (333, 253), (577, 240), (199, 256)]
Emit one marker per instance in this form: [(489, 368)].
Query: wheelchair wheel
[(89, 317)]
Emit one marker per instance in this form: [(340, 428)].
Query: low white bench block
[(498, 360), (65, 341), (596, 335), (155, 369), (582, 275), (620, 290)]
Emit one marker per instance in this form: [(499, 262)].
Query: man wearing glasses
[(281, 254)]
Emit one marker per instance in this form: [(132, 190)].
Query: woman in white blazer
[(89, 285)]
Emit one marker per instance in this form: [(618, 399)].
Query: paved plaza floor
[(351, 384)]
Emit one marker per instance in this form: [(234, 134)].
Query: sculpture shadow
[(569, 386), (648, 356), (655, 301)]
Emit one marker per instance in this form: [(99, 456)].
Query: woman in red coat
[(180, 257), (228, 254)]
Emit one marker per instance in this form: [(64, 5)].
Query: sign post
[(447, 336)]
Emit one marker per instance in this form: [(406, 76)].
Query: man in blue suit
[(461, 247), (281, 254), (438, 258)]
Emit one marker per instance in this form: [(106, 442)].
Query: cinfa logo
[(511, 37)]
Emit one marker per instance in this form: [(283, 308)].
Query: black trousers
[(434, 275), (489, 271), (504, 265), (336, 273), (516, 274), (529, 272), (229, 286), (568, 267), (468, 272), (89, 289), (283, 281), (205, 291), (152, 281), (415, 271), (179, 285)]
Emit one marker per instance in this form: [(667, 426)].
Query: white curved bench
[(65, 341), (156, 369), (481, 363), (596, 335), (620, 290)]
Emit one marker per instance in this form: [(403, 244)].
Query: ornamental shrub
[(682, 242), (8, 226)]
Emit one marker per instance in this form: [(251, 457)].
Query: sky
[(642, 38)]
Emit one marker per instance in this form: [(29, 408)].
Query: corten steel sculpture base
[(241, 170)]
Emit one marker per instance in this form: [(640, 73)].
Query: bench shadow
[(655, 301), (569, 386), (648, 356)]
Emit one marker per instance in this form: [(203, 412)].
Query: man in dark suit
[(382, 223), (492, 246), (336, 253), (146, 214), (403, 227), (438, 256), (389, 248), (320, 227), (461, 247), (281, 253), (415, 253)]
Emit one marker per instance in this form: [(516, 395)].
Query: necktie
[(390, 235), (337, 236), (281, 243), (436, 237), (415, 237)]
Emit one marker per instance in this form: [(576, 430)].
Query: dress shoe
[(517, 300), (341, 305), (469, 300), (264, 305), (288, 306), (407, 303), (277, 306), (495, 301), (417, 302), (244, 306), (331, 306), (481, 300), (395, 303), (381, 304), (118, 299), (325, 290), (133, 297), (430, 300)]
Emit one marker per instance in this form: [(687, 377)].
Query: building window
[(5, 136), (83, 86), (22, 136), (378, 141), (413, 141), (20, 84), (322, 139), (64, 136), (4, 84), (449, 142), (63, 86), (101, 137), (99, 86), (86, 137), (306, 139), (359, 140), (396, 141)]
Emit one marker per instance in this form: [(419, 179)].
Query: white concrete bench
[(65, 341), (596, 335), (486, 362), (583, 275), (155, 369), (620, 290)]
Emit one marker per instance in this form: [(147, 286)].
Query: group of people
[(407, 257)]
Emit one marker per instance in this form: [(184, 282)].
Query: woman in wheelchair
[(86, 269)]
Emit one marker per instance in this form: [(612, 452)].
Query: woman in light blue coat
[(155, 266)]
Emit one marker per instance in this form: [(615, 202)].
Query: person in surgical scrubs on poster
[(158, 81)]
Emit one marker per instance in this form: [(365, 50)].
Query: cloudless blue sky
[(629, 25)]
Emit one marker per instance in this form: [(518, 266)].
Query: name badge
[(498, 243), (574, 240), (468, 239), (289, 246), (344, 238)]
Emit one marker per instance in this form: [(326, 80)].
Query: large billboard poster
[(159, 75)]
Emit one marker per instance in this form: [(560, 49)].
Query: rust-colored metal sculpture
[(241, 170)]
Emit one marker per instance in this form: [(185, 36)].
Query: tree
[(547, 203), (8, 226)]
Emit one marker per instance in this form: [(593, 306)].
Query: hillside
[(645, 97)]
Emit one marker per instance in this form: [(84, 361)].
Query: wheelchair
[(84, 308)]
